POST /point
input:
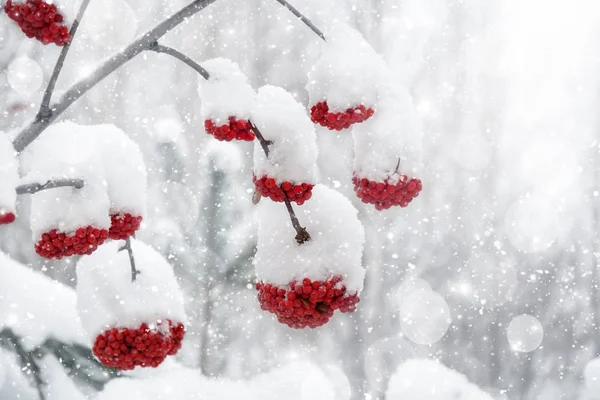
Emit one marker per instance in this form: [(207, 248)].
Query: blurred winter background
[(492, 270)]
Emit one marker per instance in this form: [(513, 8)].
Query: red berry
[(234, 129), (308, 305), (123, 226), (6, 217), (147, 346), (319, 114), (36, 18), (268, 187), (385, 194), (57, 245)]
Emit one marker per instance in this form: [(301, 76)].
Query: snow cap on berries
[(348, 72), (284, 122), (107, 298), (392, 134), (227, 93), (66, 150), (124, 169), (335, 248), (9, 178)]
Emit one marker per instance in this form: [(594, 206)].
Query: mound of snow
[(284, 122), (426, 379), (107, 298), (35, 307), (335, 248)]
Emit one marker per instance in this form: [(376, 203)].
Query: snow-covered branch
[(134, 271), (302, 18), (31, 188), (45, 110), (182, 57), (145, 42)]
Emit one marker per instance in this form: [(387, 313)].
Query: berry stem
[(158, 48), (45, 111), (145, 42), (302, 18), (134, 270), (31, 188), (263, 142)]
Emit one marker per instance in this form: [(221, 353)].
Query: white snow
[(124, 168), (67, 150), (348, 72), (285, 122), (35, 307), (9, 174), (16, 384), (335, 248), (591, 376), (107, 298), (59, 386), (227, 93), (426, 379), (392, 133)]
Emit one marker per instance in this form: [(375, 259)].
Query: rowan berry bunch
[(233, 130), (386, 194), (297, 193), (320, 114), (40, 20), (146, 346), (307, 303), (56, 245), (123, 226)]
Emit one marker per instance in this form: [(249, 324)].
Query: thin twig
[(32, 131), (134, 271), (302, 18), (26, 360), (159, 48), (302, 235), (31, 188), (45, 110)]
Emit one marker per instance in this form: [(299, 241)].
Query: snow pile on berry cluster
[(335, 248), (284, 122), (392, 134), (107, 298), (124, 170), (36, 307), (348, 72), (426, 379), (66, 150), (9, 177), (227, 93)]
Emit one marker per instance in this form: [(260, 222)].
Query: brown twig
[(302, 18), (159, 48), (134, 271)]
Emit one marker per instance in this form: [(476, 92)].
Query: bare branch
[(31, 188), (263, 143), (302, 18), (182, 57), (45, 110), (134, 271), (30, 133)]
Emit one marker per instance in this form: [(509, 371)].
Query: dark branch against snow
[(134, 271), (182, 57), (31, 188), (145, 42), (302, 18)]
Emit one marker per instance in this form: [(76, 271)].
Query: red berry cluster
[(40, 20), (123, 226), (236, 129), (6, 217), (146, 346), (297, 193), (384, 194), (307, 303), (319, 114), (58, 245)]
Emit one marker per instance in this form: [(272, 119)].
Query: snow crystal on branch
[(334, 250)]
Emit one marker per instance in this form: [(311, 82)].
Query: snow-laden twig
[(45, 110), (182, 57), (26, 359), (31, 188), (134, 270), (302, 18), (31, 132)]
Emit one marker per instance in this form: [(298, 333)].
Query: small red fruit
[(268, 187), (56, 245), (6, 217), (123, 226), (234, 130), (385, 194), (319, 114), (39, 19)]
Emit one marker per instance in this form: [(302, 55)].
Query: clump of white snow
[(335, 248), (348, 72), (426, 379), (9, 175), (393, 134), (227, 93), (284, 122), (107, 297), (35, 307), (66, 150), (591, 377), (124, 169)]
